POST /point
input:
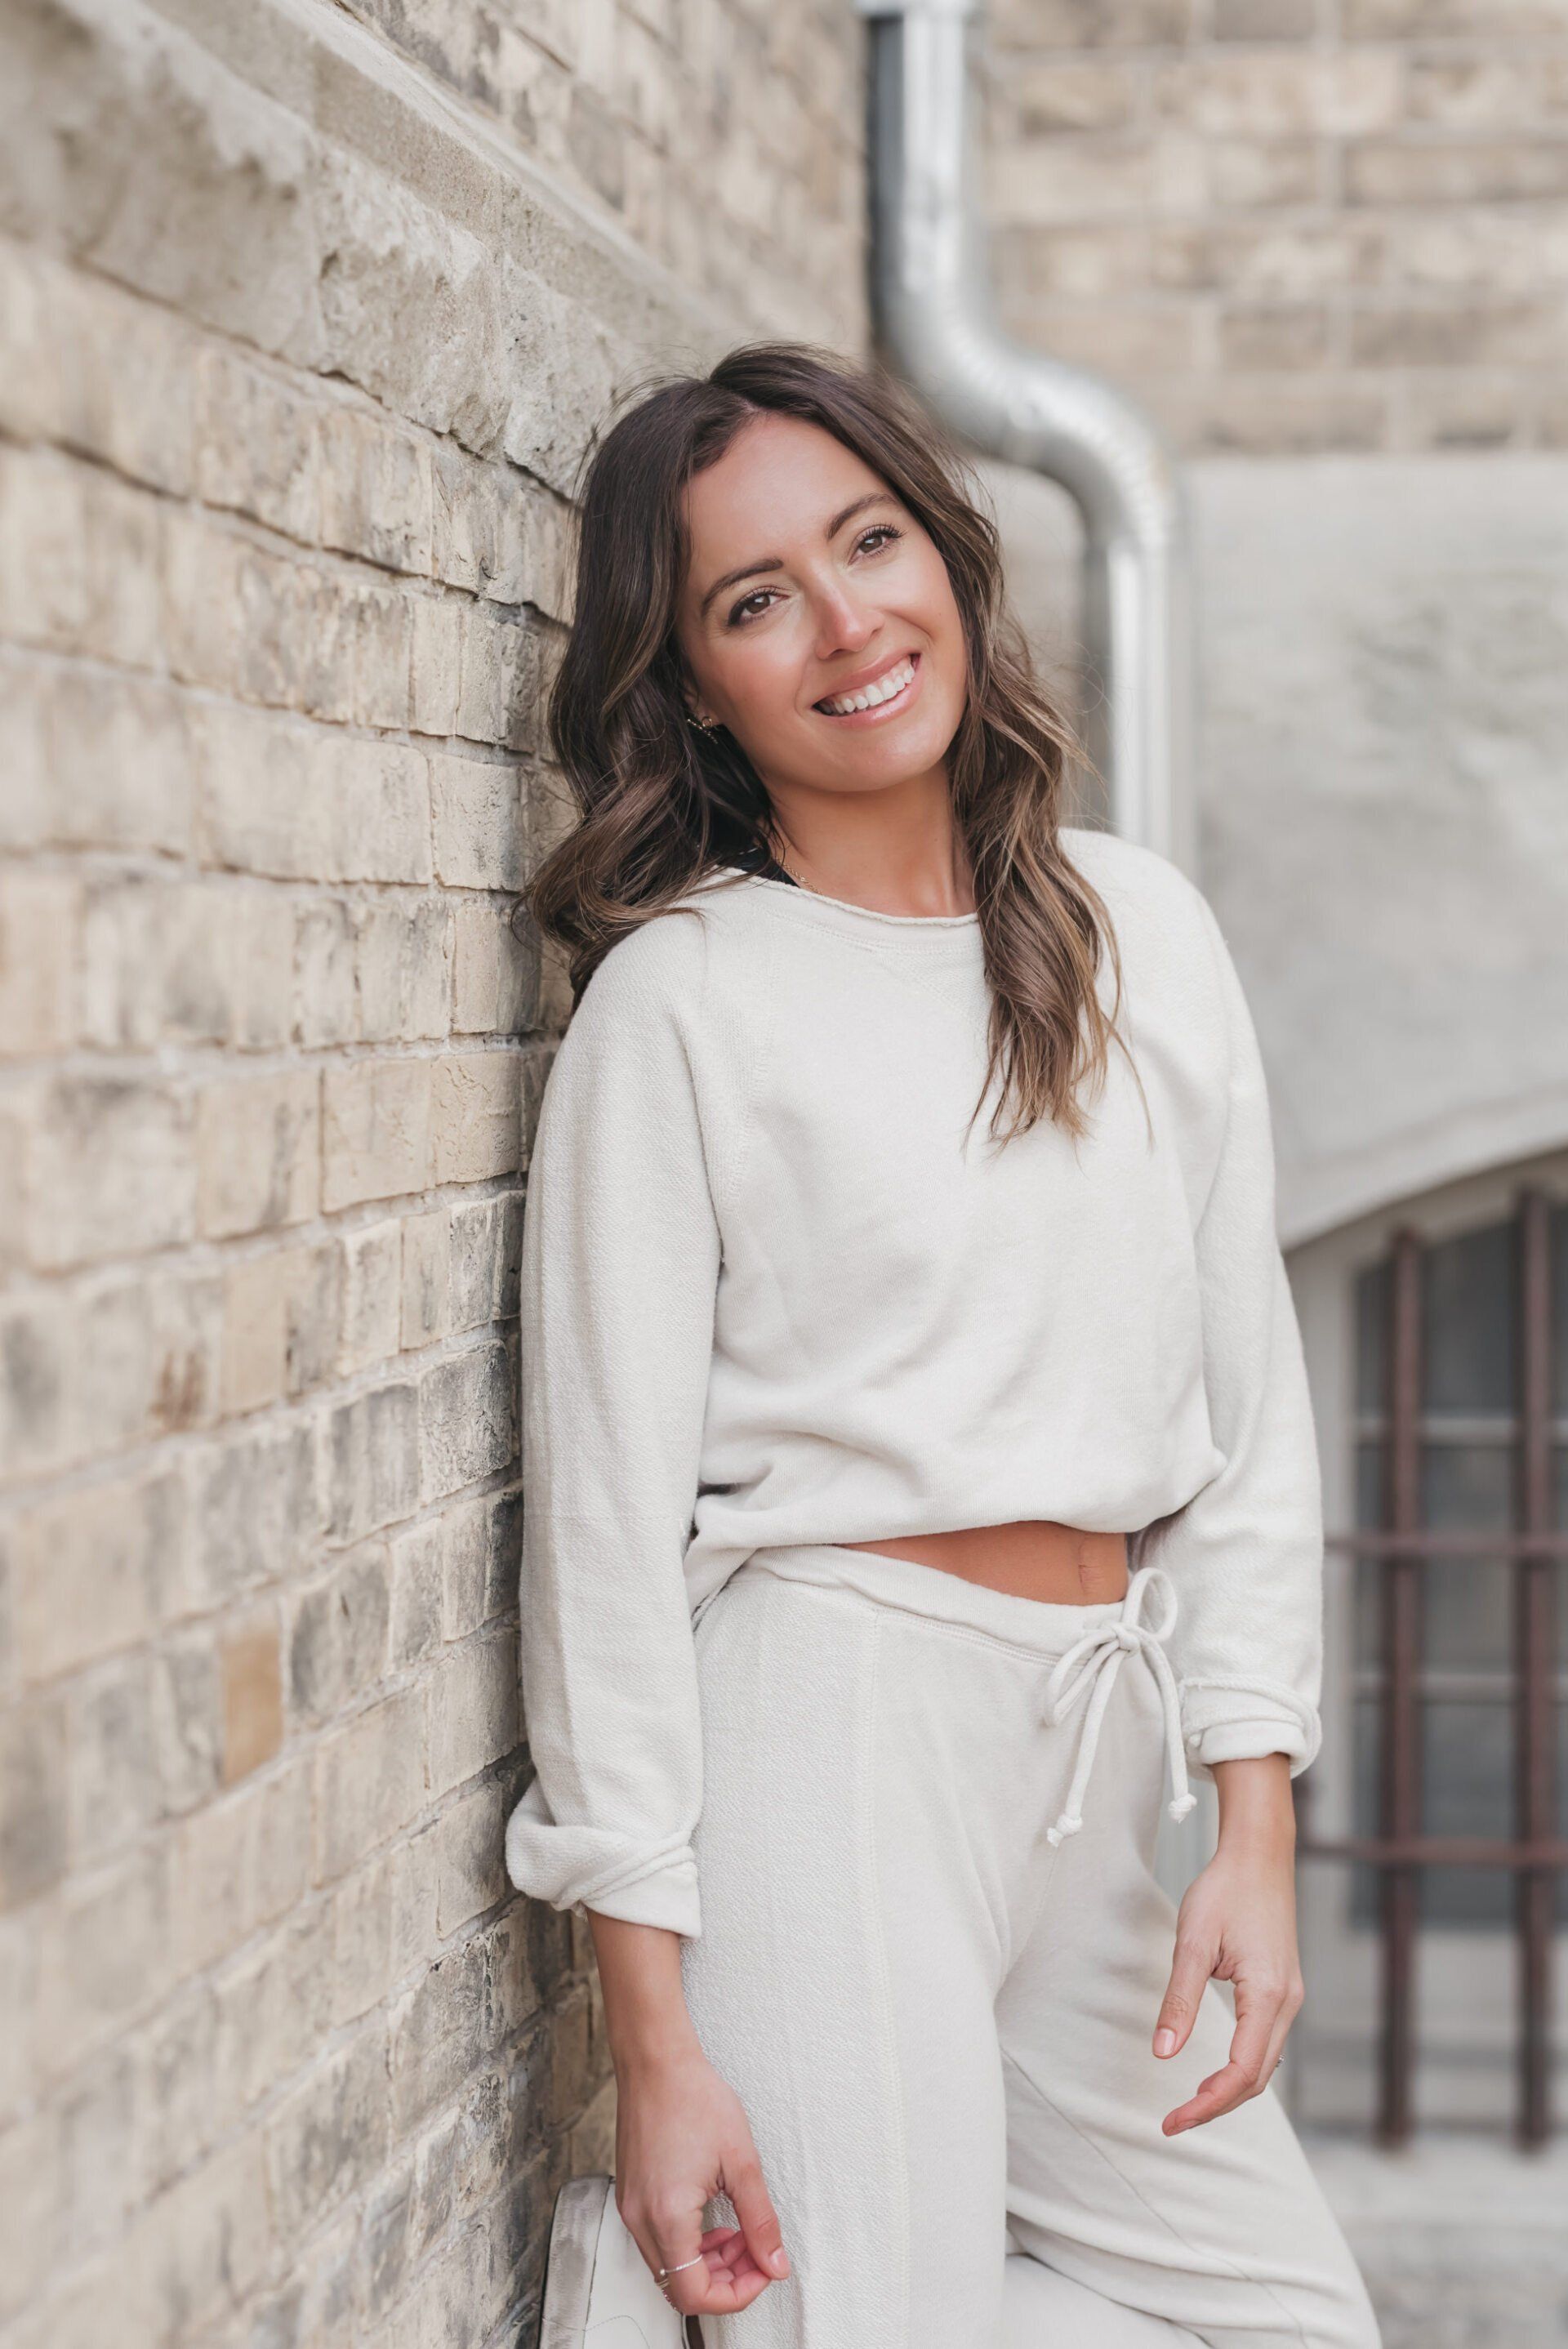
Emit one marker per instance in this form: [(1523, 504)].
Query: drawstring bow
[(1089, 1669)]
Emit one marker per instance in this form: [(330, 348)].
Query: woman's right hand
[(681, 2138)]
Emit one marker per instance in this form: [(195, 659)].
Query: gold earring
[(703, 724)]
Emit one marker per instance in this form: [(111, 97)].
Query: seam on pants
[(1221, 2258), (877, 1924)]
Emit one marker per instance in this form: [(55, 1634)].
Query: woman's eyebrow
[(776, 561)]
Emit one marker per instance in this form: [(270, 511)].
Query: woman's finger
[(675, 2241), (1257, 2011), (759, 2219), (1190, 1967)]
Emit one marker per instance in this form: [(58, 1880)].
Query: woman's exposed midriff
[(1032, 1557)]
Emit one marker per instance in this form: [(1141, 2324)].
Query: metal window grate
[(1404, 1546)]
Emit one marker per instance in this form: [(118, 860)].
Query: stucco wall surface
[(1384, 807)]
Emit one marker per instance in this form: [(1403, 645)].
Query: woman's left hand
[(1237, 1922)]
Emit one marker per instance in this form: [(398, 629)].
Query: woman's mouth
[(883, 698)]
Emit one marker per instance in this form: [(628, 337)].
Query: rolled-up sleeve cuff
[(1224, 1721), (583, 1867)]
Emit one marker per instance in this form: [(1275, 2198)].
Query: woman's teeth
[(872, 695)]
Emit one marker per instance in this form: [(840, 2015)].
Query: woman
[(917, 1451)]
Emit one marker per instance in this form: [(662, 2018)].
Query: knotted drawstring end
[(1066, 1825), (1181, 1805)]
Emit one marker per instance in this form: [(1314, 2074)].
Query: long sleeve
[(619, 1269), (1245, 1554)]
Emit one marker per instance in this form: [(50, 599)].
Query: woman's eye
[(881, 530), (739, 611)]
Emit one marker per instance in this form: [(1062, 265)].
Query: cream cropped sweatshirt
[(774, 1292)]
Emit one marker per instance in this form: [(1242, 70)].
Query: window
[(1446, 1690)]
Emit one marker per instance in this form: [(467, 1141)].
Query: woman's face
[(808, 584)]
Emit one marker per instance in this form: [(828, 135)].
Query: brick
[(313, 1282), (331, 2136), (478, 821), (372, 1457), (305, 804), (34, 1827), (254, 1325), (1455, 171), (113, 1171), (120, 761), (30, 2201), (1441, 333), (473, 1709), (495, 974), (437, 2034), (259, 1140), (105, 1955), (376, 1137), (338, 1636), (95, 1570), (1281, 94), (202, 2248), (369, 1782), (252, 1693), (18, 2000), (1264, 20), (1292, 336), (403, 968), (478, 1241), (257, 451), (100, 2166), (183, 962), (425, 1284), (113, 1778), (272, 2009), (436, 655), (476, 1116), (188, 1721), (326, 997), (372, 1299), (1091, 179), (131, 1356), (40, 925), (1045, 96), (1494, 20), (255, 1509), (467, 1420), (471, 1877), (28, 816), (240, 1862), (46, 592), (376, 489), (416, 1569), (1460, 410), (1247, 175), (185, 2105)]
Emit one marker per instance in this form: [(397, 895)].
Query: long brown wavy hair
[(660, 805)]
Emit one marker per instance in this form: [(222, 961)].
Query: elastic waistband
[(1048, 1627)]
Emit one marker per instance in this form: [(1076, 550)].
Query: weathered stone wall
[(1291, 225), (304, 315)]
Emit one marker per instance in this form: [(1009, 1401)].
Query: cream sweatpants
[(939, 2021)]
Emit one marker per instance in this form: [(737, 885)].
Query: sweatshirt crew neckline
[(866, 922)]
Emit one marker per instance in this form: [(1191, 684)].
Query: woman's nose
[(843, 625)]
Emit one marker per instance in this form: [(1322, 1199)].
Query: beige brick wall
[(1291, 225), (304, 312)]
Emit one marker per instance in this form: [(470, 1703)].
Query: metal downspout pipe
[(933, 315)]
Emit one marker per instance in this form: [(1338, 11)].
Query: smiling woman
[(844, 670), (918, 1461)]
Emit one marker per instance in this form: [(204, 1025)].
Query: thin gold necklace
[(799, 879)]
